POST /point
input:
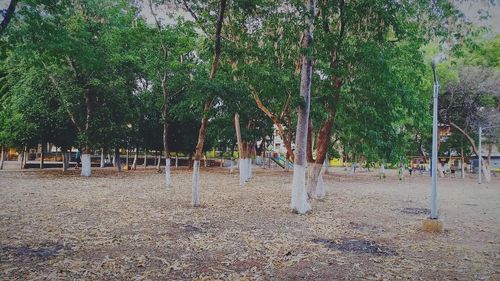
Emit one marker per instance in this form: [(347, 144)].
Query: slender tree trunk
[(241, 150), (65, 160), (136, 155), (168, 176), (327, 164), (310, 139), (207, 106), (462, 168), (127, 167), (118, 160), (145, 158), (158, 164), (299, 192), (102, 158), (316, 188), (2, 158), (41, 155), (86, 163), (23, 157), (176, 160)]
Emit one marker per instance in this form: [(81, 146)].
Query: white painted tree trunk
[(159, 162), (310, 178), (145, 159), (168, 176), (327, 165), (317, 187), (462, 169), (249, 168), (65, 161), (320, 192), (243, 172), (299, 194), (102, 158), (196, 184), (382, 172), (486, 170), (136, 155), (86, 168), (176, 161), (231, 168), (113, 161)]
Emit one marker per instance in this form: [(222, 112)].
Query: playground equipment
[(281, 161)]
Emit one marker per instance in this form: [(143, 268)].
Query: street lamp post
[(434, 214), (433, 224)]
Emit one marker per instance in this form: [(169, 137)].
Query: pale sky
[(472, 9)]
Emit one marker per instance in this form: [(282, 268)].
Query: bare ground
[(129, 226)]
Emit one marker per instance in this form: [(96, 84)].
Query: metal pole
[(479, 158), (434, 214)]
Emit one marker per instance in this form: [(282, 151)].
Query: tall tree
[(299, 194), (208, 104)]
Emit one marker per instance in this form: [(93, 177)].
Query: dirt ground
[(130, 227)]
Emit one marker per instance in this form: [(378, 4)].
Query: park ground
[(129, 226)]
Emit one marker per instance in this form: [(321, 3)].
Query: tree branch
[(8, 16)]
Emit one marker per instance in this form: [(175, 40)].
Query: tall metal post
[(479, 158), (434, 213)]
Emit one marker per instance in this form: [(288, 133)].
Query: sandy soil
[(130, 227)]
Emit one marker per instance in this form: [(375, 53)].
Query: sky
[(473, 10)]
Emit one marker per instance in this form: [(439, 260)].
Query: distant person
[(78, 158), (453, 169)]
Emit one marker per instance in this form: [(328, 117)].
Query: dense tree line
[(345, 78)]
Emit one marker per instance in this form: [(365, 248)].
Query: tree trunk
[(317, 191), (168, 178), (86, 163), (9, 13), (176, 160), (204, 120), (145, 158), (327, 164), (485, 166), (23, 157), (310, 138), (241, 150), (65, 160), (2, 158), (299, 193), (197, 160), (462, 168), (118, 160), (102, 158), (41, 155), (127, 167), (136, 155), (158, 164)]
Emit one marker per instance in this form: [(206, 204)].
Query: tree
[(7, 16), (208, 104), (471, 102), (299, 194)]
